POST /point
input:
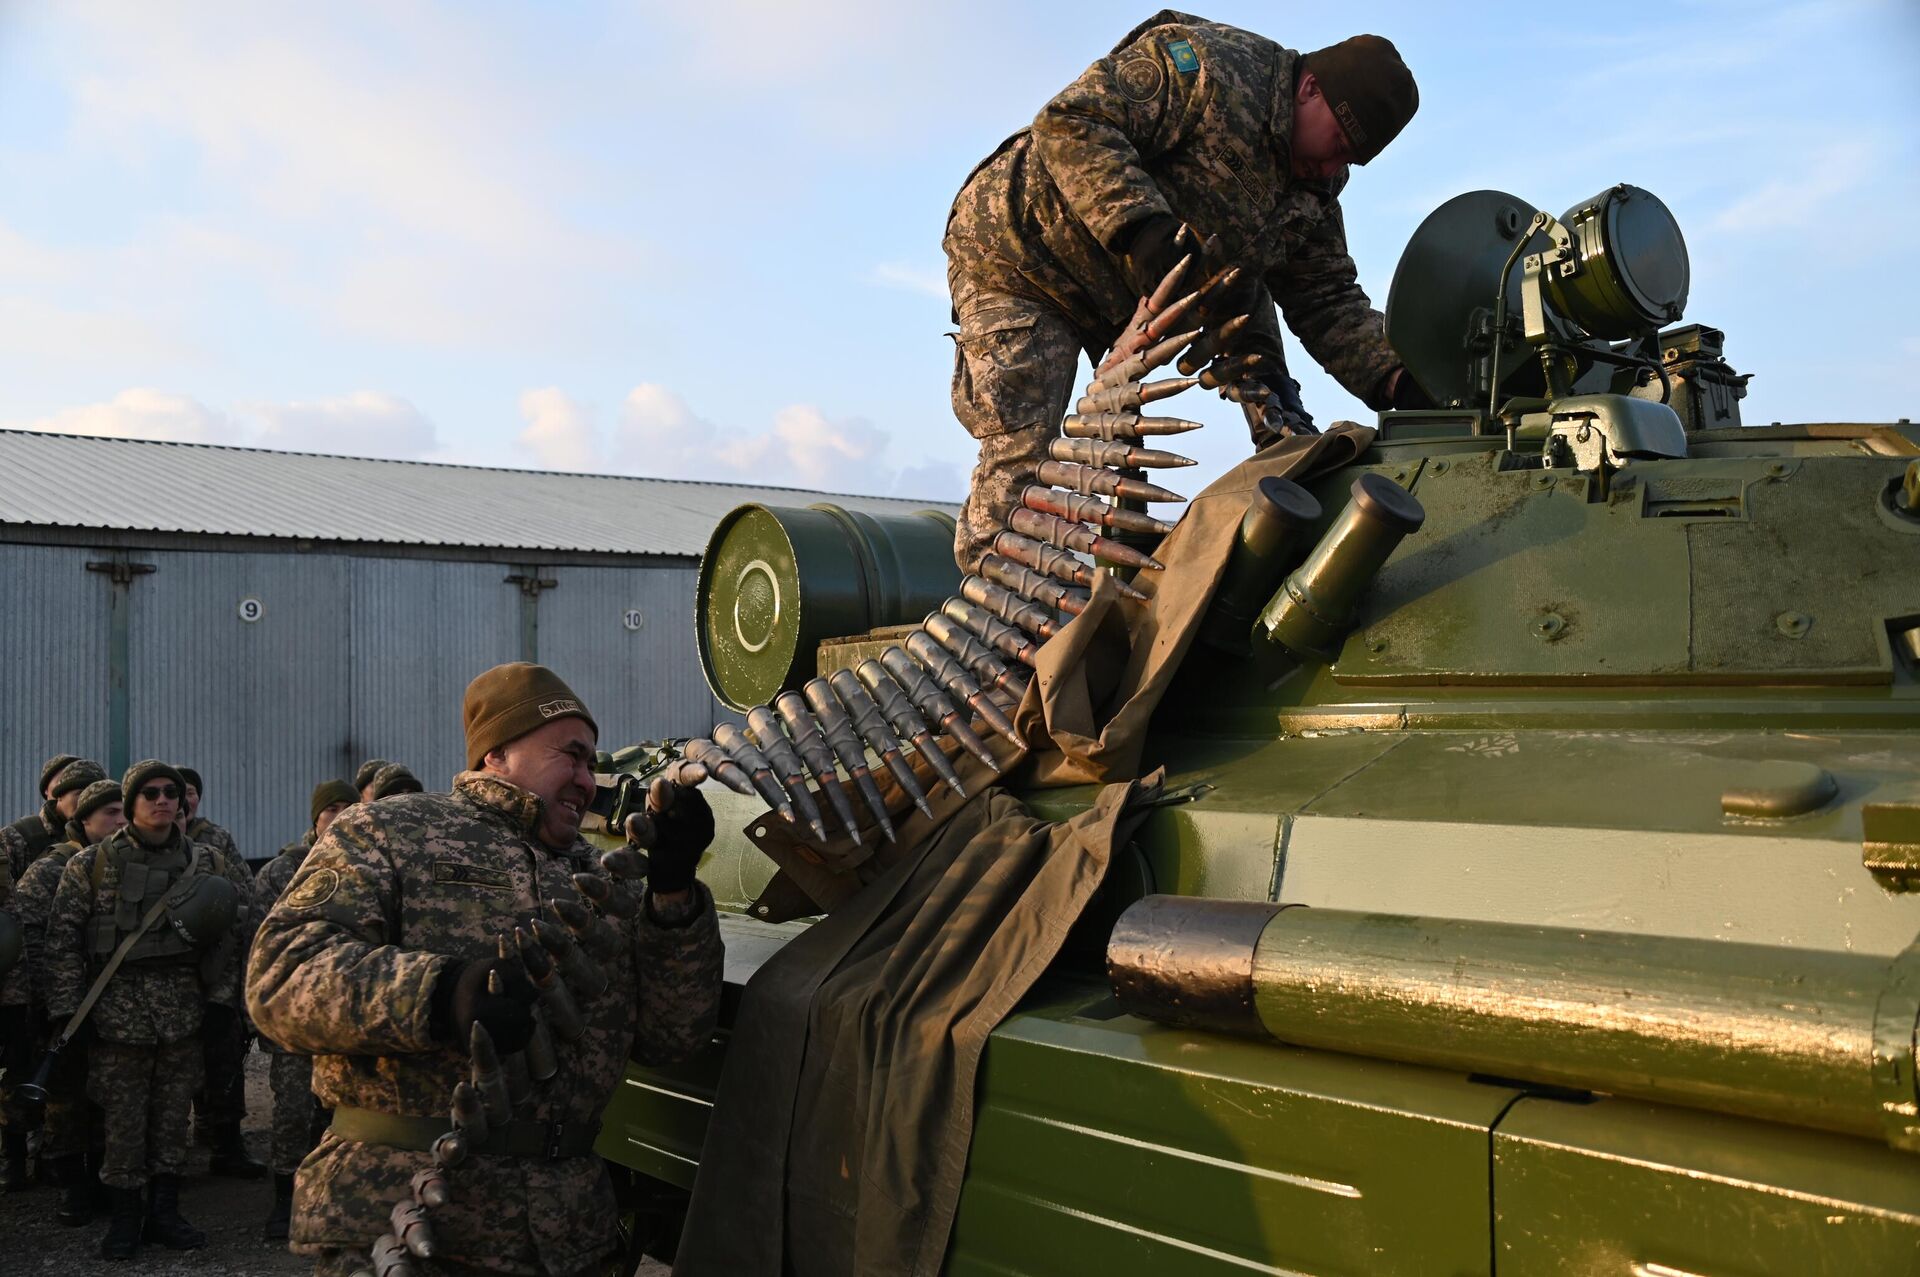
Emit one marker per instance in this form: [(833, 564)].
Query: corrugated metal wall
[(53, 665), (350, 658), (259, 708), (421, 631), (640, 684)]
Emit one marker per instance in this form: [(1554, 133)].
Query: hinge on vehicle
[(1890, 844)]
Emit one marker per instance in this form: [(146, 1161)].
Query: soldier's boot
[(76, 1190), (230, 1157), (280, 1217), (13, 1171), (164, 1224), (123, 1230), (102, 1195)]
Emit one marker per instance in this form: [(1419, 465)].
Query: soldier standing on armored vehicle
[(66, 1135), (61, 780), (220, 1105), (291, 1074), (382, 959), (1057, 236), (147, 919)]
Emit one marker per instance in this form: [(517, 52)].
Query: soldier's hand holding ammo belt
[(493, 992), (677, 828)]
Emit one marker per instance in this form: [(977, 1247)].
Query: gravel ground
[(229, 1211)]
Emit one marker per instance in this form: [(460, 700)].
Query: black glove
[(462, 999), (682, 829), (1150, 252), (1406, 391)]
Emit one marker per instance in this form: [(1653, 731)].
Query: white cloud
[(363, 424), (366, 423), (360, 164), (558, 432), (1808, 196), (141, 413), (656, 433), (929, 280)]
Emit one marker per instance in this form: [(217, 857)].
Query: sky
[(703, 241)]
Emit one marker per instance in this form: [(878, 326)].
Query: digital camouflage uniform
[(65, 1131), (27, 837), (221, 1103), (15, 984), (291, 1075), (144, 1058), (396, 894), (1202, 131)]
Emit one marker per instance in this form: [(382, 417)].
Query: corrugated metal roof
[(224, 491)]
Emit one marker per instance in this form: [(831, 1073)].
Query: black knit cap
[(326, 794), (1368, 87), (192, 777), (364, 777), (96, 796), (77, 774), (51, 768), (144, 771)]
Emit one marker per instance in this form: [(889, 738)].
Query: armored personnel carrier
[(1530, 887)]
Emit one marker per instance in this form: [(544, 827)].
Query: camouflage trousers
[(1014, 364), (344, 1263), (68, 1113), (295, 1112), (222, 1099), (145, 1092)]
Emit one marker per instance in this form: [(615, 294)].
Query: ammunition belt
[(542, 1141)]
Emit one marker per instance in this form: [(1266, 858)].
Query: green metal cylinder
[(776, 580), (1270, 533), (1630, 274), (1808, 1037), (1314, 607)]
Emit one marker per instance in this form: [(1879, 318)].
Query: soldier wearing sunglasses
[(149, 918)]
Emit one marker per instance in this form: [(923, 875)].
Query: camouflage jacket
[(145, 1002), (33, 904), (27, 837), (1188, 117), (271, 882), (393, 897), (15, 983)]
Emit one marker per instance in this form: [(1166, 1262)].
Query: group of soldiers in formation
[(373, 958), (166, 1031), (415, 949)]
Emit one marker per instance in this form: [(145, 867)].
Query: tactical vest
[(35, 834), (142, 881)]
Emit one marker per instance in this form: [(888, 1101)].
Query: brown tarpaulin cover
[(839, 1136)]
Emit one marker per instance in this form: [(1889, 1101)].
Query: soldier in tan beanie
[(380, 958)]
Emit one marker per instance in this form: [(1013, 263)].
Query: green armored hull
[(1605, 808)]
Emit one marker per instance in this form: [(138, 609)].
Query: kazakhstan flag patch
[(1185, 60)]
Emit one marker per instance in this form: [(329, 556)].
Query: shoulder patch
[(1140, 78), (1185, 60), (315, 889), (458, 871)]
